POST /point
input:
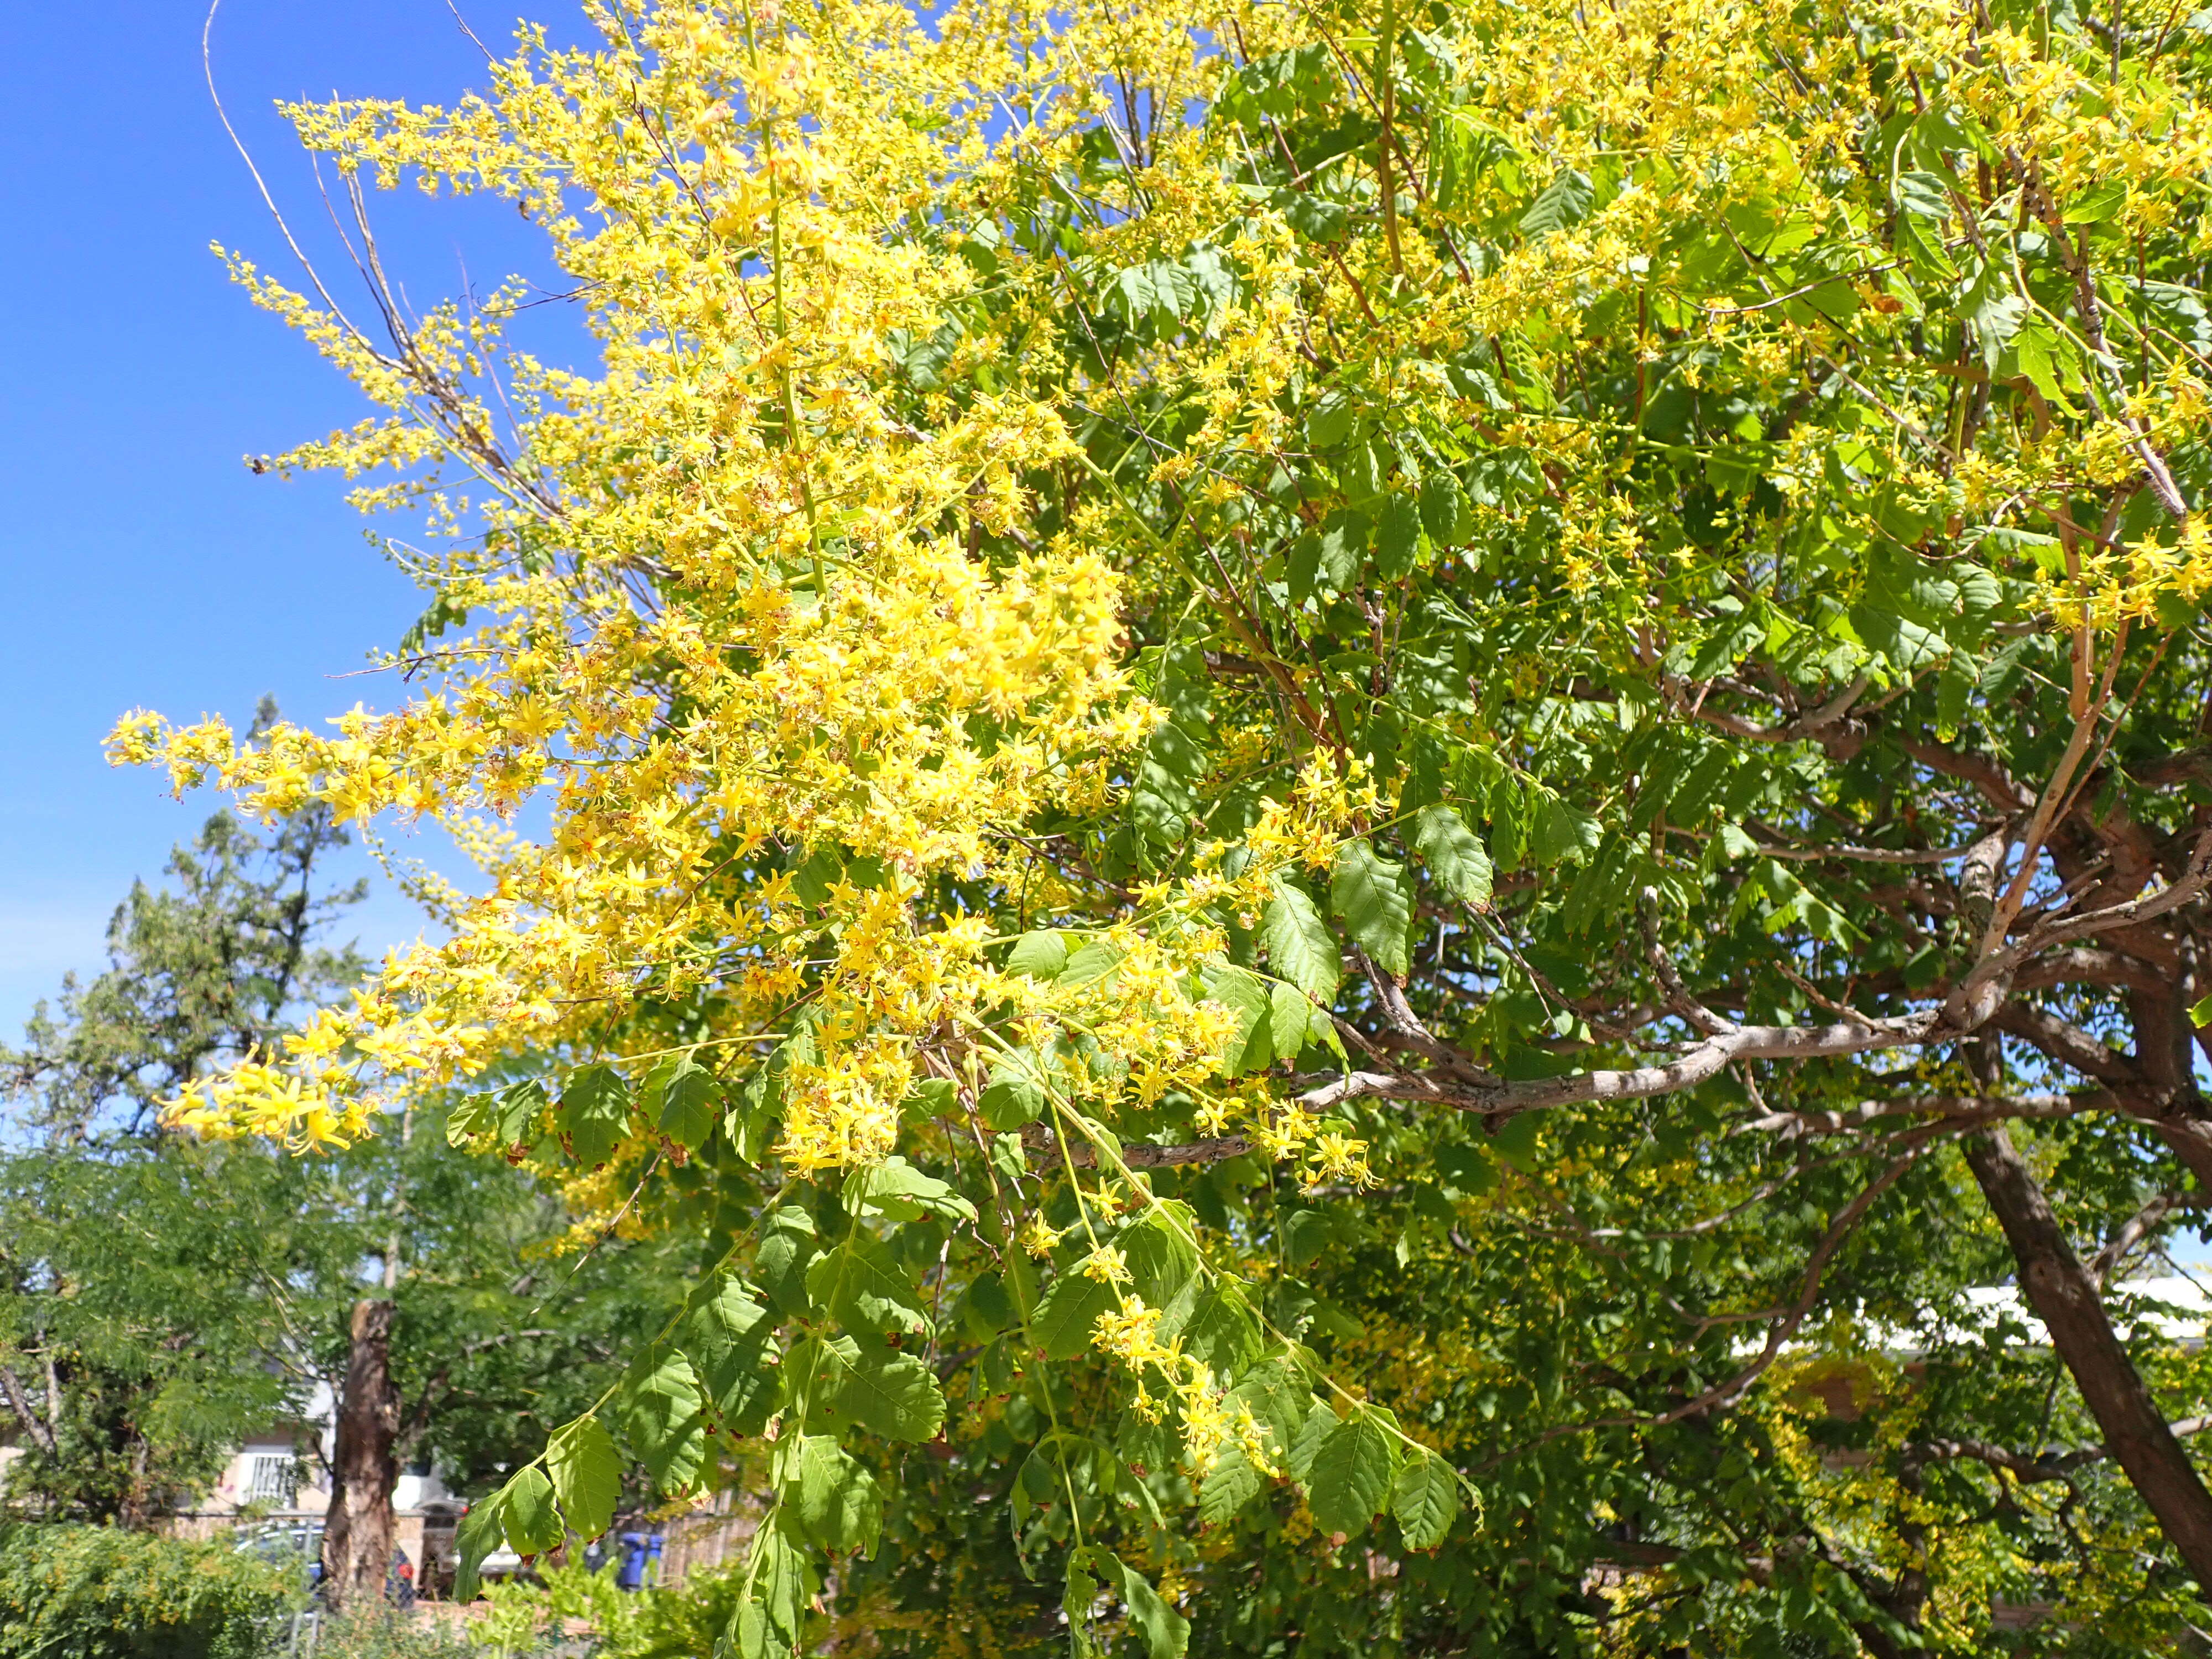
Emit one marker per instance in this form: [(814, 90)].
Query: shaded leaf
[(840, 1507), (533, 1520), (1063, 1320)]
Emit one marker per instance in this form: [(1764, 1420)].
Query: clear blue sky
[(143, 564)]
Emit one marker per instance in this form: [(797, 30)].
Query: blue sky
[(143, 564)]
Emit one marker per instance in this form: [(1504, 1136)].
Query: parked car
[(285, 1542)]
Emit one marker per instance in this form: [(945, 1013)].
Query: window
[(274, 1479)]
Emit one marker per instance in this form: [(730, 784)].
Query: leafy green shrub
[(99, 1592), (381, 1633)]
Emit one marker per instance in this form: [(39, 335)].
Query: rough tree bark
[(364, 1465), (2063, 1296)]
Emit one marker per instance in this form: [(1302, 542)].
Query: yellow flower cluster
[(1212, 1421)]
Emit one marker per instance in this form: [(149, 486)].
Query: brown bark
[(2063, 1296), (40, 1433), (364, 1465)]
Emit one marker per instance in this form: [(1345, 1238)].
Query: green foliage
[(100, 1593)]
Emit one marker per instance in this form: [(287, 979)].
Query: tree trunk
[(364, 1465), (2060, 1290)]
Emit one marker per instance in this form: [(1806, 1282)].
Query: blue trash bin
[(640, 1560)]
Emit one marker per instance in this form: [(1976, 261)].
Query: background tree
[(166, 1297), (1192, 673)]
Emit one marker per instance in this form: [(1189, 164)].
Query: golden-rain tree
[(1397, 767)]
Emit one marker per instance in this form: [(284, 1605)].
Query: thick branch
[(1996, 785), (2067, 1043), (11, 1390), (2044, 1466), (1705, 1060), (2063, 1296)]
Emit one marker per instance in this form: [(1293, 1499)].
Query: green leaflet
[(1166, 1632), (1425, 1497), (1350, 1473), (527, 1505), (1566, 201), (1374, 900), (595, 1114), (864, 1288), (749, 1634), (1063, 1320), (896, 1189), (1306, 1233), (1300, 947), (986, 1308), (1248, 1048), (1290, 1020), (510, 1115), (1453, 853), (878, 1389), (787, 1245), (785, 1581), (690, 1099), (587, 1476), (1278, 1397), (662, 1414), (730, 1340), (1445, 509), (1398, 537), (1229, 1485), (1321, 1423), (839, 1506), (1040, 955), (1221, 1329), (1161, 1258), (480, 1533), (1165, 795), (1091, 960)]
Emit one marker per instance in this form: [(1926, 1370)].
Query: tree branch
[(11, 1390), (1038, 1139), (2136, 1228)]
